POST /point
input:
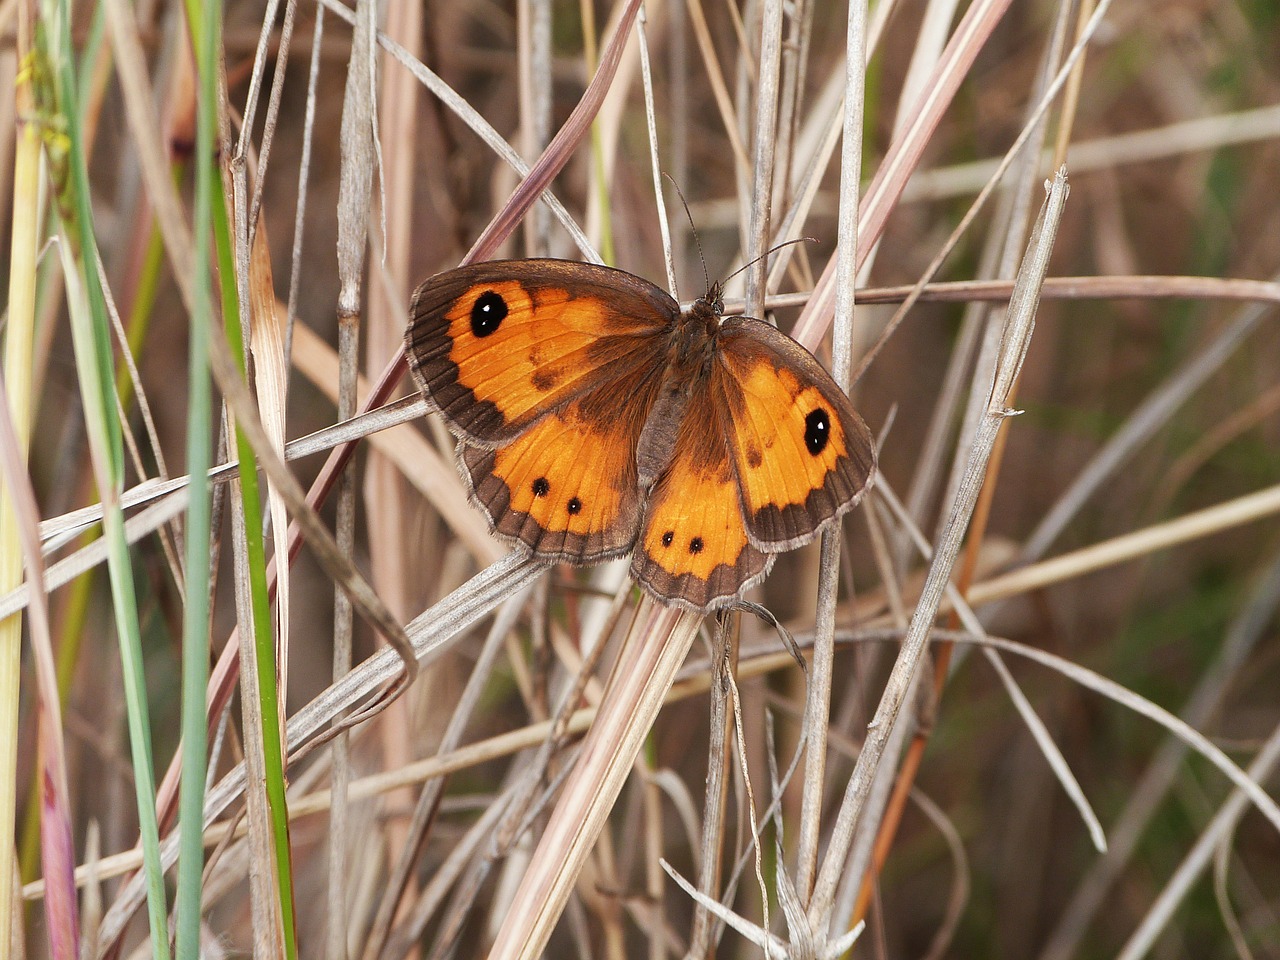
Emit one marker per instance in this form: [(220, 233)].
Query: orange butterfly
[(595, 418)]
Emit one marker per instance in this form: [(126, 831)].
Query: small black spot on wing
[(696, 545), (541, 487), (544, 379), (574, 506)]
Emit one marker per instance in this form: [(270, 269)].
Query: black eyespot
[(487, 313), (540, 487), (695, 545), (668, 537), (817, 431), (575, 506)]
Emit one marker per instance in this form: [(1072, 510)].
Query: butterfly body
[(594, 418)]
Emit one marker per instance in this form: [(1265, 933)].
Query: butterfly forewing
[(801, 453), (496, 346)]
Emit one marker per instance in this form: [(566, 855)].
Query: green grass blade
[(204, 23), (86, 306), (264, 646), (212, 224)]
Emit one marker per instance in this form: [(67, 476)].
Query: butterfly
[(594, 418)]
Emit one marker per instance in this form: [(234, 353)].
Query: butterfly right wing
[(693, 550), (801, 453)]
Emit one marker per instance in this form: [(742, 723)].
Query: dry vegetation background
[(1148, 401)]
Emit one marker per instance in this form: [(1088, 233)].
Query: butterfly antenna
[(768, 253), (706, 280)]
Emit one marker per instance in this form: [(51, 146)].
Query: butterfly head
[(713, 299), (702, 319)]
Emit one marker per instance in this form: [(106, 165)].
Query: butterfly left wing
[(496, 346), (693, 550), (801, 453), (567, 487), (546, 371)]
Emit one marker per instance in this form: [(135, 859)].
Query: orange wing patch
[(503, 353), (802, 454), (776, 464), (693, 549), (567, 487)]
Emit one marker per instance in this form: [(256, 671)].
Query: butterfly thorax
[(691, 351), (694, 339)]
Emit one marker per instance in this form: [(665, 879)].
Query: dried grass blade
[(304, 179), (763, 153), (1130, 546), (265, 643), (714, 803), (1020, 324), (817, 709), (719, 88), (58, 857), (639, 683), (357, 157), (1107, 153), (270, 378), (19, 338)]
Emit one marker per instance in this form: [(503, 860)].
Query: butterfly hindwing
[(567, 487), (496, 346), (693, 549), (801, 453)]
